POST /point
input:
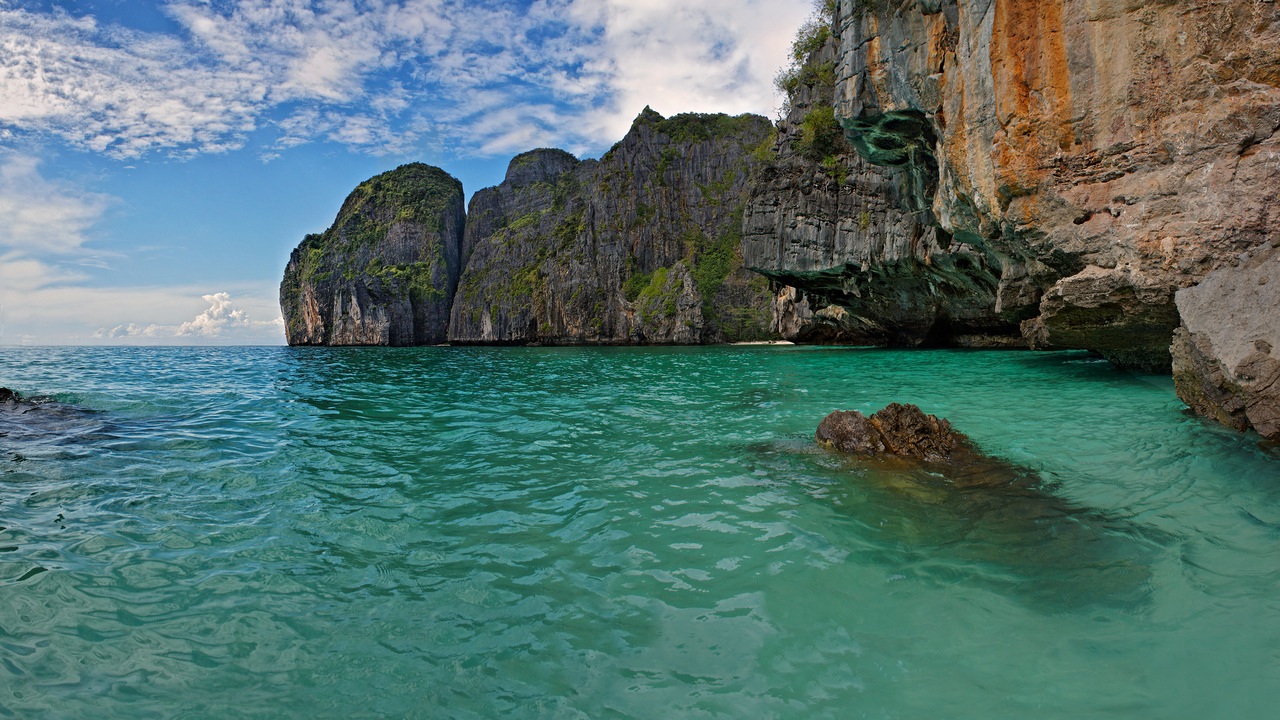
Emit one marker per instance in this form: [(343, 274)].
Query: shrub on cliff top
[(810, 38)]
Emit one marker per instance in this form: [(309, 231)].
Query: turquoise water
[(619, 533)]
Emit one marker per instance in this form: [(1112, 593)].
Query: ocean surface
[(620, 533)]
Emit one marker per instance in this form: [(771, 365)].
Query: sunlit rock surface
[(1225, 360)]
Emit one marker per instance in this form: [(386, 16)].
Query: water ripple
[(561, 532)]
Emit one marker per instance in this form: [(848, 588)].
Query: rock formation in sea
[(897, 429), (640, 246), (385, 272), (1225, 360)]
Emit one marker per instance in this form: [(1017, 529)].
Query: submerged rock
[(925, 485), (8, 396)]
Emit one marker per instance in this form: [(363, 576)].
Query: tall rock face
[(1100, 154), (641, 246), (386, 272), (853, 246)]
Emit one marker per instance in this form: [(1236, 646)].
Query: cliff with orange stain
[(1106, 154)]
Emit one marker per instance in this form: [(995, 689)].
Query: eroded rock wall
[(386, 271), (852, 246)]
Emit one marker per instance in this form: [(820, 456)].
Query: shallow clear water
[(619, 533)]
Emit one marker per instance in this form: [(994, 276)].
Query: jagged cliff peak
[(641, 246), (690, 127), (540, 165)]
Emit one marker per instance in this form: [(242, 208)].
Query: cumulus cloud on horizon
[(222, 320), (385, 75)]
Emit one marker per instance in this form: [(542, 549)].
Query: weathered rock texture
[(1224, 360), (852, 246), (641, 246), (385, 273), (1109, 152), (1064, 165), (901, 430)]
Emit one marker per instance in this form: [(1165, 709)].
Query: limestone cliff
[(1063, 166), (1107, 152), (855, 254), (640, 246), (386, 271)]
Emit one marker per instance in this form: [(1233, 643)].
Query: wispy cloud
[(386, 75), (41, 216)]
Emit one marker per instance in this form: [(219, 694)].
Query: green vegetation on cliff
[(805, 70), (385, 271), (414, 194)]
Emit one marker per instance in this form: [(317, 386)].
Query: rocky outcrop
[(1225, 364), (1103, 153), (640, 246), (900, 430), (922, 484), (386, 272)]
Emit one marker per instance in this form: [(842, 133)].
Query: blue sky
[(159, 159)]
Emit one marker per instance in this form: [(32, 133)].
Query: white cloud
[(709, 56), (118, 92), (40, 215), (130, 330), (223, 317), (371, 74), (222, 321)]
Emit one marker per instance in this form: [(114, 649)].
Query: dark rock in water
[(918, 449), (901, 430), (8, 396)]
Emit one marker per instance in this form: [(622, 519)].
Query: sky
[(159, 159)]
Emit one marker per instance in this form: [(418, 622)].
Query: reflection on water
[(561, 532)]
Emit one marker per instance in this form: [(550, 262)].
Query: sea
[(453, 532)]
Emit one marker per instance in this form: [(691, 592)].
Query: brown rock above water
[(901, 430)]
